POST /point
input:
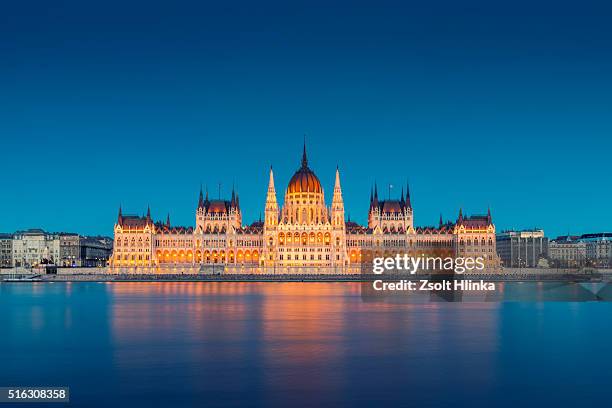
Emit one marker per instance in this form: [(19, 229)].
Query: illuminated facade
[(303, 232)]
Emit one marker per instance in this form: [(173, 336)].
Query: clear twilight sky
[(476, 103)]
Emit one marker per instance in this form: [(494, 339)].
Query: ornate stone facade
[(303, 232)]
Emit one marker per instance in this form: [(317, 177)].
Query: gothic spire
[(441, 222), (304, 158), (375, 202), (201, 198), (120, 216), (271, 209), (271, 197), (408, 201), (168, 221), (337, 199), (460, 219)]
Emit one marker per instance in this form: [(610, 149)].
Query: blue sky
[(477, 104)]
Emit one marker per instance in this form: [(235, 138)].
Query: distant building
[(95, 251), (34, 247), (77, 250), (522, 248), (70, 250), (567, 251), (6, 250), (598, 248)]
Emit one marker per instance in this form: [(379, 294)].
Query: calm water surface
[(295, 344)]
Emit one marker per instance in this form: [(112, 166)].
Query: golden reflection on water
[(286, 325), (303, 322)]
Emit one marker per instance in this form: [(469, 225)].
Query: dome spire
[(304, 158), (304, 180)]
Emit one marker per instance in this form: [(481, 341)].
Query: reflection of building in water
[(305, 322), (303, 232)]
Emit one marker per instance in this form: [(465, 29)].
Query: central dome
[(304, 180)]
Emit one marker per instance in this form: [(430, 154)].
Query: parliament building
[(302, 232)]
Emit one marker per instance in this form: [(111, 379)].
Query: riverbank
[(220, 275)]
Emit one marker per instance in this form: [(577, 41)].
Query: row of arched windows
[(132, 242), (483, 242), (304, 238)]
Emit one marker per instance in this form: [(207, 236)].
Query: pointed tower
[(168, 220), (120, 216), (441, 222), (408, 212), (337, 204), (271, 210), (460, 219), (338, 224), (149, 221), (201, 210), (234, 211), (270, 224), (489, 218), (375, 202), (201, 198), (374, 214), (304, 158), (408, 202)]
